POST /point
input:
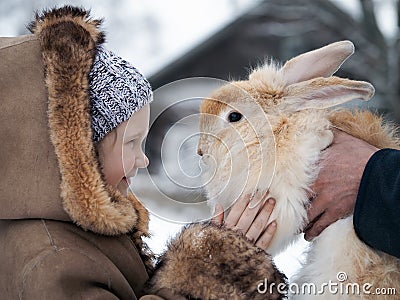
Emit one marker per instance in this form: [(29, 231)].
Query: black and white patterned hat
[(117, 90)]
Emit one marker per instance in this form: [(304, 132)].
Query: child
[(69, 109), (120, 98)]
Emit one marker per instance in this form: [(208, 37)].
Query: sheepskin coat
[(64, 232)]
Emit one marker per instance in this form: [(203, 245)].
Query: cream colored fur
[(276, 147)]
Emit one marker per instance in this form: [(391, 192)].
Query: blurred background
[(171, 41)]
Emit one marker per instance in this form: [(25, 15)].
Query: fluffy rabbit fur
[(267, 134)]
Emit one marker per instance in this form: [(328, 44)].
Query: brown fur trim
[(68, 39), (51, 17), (207, 261), (141, 230), (366, 126)]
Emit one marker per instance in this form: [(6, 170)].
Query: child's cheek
[(129, 163)]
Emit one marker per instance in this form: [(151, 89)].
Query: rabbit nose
[(199, 152)]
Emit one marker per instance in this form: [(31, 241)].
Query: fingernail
[(271, 201), (273, 224)]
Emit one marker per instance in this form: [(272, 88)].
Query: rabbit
[(267, 135)]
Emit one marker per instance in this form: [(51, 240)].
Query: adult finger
[(265, 240), (315, 229), (316, 207), (261, 220)]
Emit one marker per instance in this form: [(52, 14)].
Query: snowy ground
[(162, 230)]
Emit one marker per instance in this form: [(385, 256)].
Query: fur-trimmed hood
[(49, 163)]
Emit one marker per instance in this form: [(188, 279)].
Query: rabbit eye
[(234, 116)]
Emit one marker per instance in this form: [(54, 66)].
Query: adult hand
[(250, 215), (338, 181)]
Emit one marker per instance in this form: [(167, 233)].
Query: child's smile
[(120, 152)]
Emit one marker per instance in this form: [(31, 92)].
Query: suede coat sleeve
[(203, 262), (206, 261), (377, 210)]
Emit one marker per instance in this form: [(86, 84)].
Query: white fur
[(256, 157), (336, 250)]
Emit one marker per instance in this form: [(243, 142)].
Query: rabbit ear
[(322, 62), (320, 93)]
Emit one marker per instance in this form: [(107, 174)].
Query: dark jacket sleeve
[(206, 261), (377, 210)]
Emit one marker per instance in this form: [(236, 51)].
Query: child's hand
[(251, 218)]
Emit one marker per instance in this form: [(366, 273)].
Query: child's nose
[(146, 161), (142, 162)]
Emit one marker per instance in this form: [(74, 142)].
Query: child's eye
[(131, 143), (135, 142)]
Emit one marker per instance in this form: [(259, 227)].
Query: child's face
[(120, 151)]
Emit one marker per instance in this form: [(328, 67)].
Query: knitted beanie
[(117, 90)]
